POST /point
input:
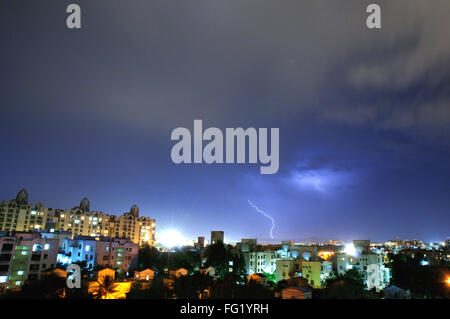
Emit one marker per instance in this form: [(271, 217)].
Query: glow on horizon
[(350, 250), (171, 238)]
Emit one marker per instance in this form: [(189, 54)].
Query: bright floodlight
[(350, 250), (170, 239)]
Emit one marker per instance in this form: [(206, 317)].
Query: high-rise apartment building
[(216, 236), (18, 215)]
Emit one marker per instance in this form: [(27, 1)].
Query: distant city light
[(171, 239), (424, 262)]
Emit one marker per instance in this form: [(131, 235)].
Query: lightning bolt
[(270, 217)]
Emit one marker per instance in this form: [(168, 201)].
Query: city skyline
[(180, 232), (363, 115)]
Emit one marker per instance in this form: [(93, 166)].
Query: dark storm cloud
[(216, 55), (355, 107), (156, 60)]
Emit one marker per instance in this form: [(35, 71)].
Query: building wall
[(117, 254), (18, 215), (24, 256), (22, 217), (217, 236), (345, 262), (316, 272), (108, 252), (382, 278), (295, 293), (287, 268), (78, 250), (261, 261)]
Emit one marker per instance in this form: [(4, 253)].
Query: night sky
[(364, 115)]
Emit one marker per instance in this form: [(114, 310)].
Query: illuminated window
[(46, 246)]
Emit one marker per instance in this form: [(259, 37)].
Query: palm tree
[(105, 288)]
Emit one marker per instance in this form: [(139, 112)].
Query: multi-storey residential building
[(344, 262), (200, 244), (120, 254), (288, 267), (373, 265), (285, 260), (79, 249), (24, 256), (316, 272), (18, 215), (288, 249), (380, 274), (216, 236), (116, 253), (140, 230), (248, 244), (260, 262), (81, 221)]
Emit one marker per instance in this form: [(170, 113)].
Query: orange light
[(448, 281), (325, 254)]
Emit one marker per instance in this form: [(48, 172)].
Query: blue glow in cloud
[(322, 181)]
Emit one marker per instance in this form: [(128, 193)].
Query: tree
[(183, 288), (85, 270), (106, 288), (49, 287), (347, 286), (422, 281), (149, 257), (217, 257), (239, 270), (192, 287), (253, 290), (222, 259), (272, 278), (157, 290), (223, 288)]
